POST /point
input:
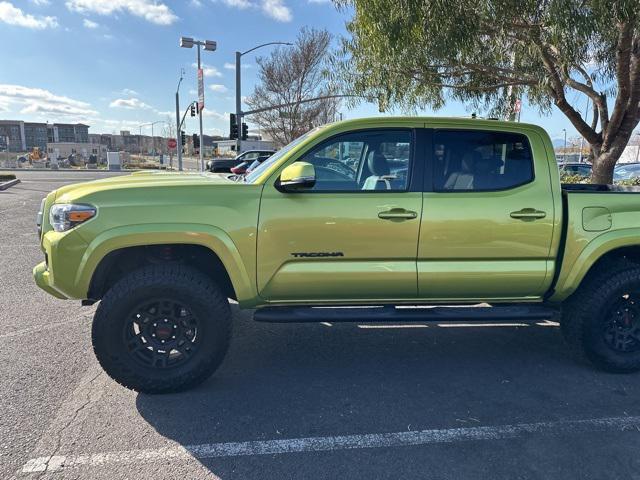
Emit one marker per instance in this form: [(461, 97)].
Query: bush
[(631, 182), (5, 177), (573, 178)]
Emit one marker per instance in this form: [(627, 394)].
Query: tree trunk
[(605, 161)]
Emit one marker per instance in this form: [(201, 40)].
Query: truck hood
[(141, 180)]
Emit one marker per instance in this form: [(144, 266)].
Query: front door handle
[(528, 214), (397, 214)]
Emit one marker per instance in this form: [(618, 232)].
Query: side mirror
[(297, 176)]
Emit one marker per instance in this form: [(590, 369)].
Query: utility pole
[(564, 157), (178, 136)]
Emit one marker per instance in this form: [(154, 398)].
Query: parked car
[(224, 165), (434, 211), (247, 166), (626, 171), (575, 168)]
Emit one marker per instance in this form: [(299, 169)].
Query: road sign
[(200, 89), (172, 143)]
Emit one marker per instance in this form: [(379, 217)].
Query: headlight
[(64, 216)]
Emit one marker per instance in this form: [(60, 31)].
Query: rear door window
[(475, 160)]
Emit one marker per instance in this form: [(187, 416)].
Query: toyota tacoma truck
[(385, 219)]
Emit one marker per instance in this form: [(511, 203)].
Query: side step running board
[(401, 314)]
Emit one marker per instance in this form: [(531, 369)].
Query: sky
[(115, 64)]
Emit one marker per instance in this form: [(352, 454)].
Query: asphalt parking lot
[(497, 400)]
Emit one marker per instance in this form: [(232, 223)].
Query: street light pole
[(187, 42), (564, 158), (239, 89), (178, 132), (200, 120)]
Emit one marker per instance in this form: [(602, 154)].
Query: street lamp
[(209, 45), (153, 140), (178, 135), (239, 88)]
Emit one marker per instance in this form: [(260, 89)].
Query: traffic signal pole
[(238, 103)]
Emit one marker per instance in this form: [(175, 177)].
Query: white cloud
[(208, 70), (277, 10), (196, 3), (89, 24), (129, 104), (14, 16), (41, 3), (241, 4), (193, 91), (319, 1), (232, 66), (129, 92), (213, 114), (216, 87), (150, 10), (167, 113), (37, 100)]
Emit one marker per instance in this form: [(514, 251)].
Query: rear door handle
[(528, 214), (397, 214)]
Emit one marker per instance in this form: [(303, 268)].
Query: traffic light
[(193, 110), (245, 131), (183, 138), (196, 141), (233, 127)]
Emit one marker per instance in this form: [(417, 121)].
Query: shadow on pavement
[(289, 381)]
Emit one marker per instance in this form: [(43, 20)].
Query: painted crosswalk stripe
[(329, 443)]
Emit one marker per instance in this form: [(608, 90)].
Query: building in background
[(13, 133), (228, 147), (35, 136), (68, 133)]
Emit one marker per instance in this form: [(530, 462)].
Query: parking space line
[(330, 443)]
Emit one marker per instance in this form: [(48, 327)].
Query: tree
[(488, 53), (288, 76)]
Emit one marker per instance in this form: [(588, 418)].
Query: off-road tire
[(584, 315), (190, 288)]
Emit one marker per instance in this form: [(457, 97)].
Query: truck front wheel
[(603, 318), (163, 328)]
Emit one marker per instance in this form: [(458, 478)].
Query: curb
[(10, 183)]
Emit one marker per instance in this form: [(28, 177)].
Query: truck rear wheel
[(603, 319), (163, 328)]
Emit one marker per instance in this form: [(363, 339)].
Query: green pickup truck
[(398, 219)]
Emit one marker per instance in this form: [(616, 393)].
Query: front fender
[(572, 274), (207, 236)]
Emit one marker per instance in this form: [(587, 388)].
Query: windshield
[(264, 166)]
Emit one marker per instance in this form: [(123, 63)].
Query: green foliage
[(417, 53), (631, 182), (573, 178)]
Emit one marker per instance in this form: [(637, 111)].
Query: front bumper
[(59, 274), (43, 280)]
